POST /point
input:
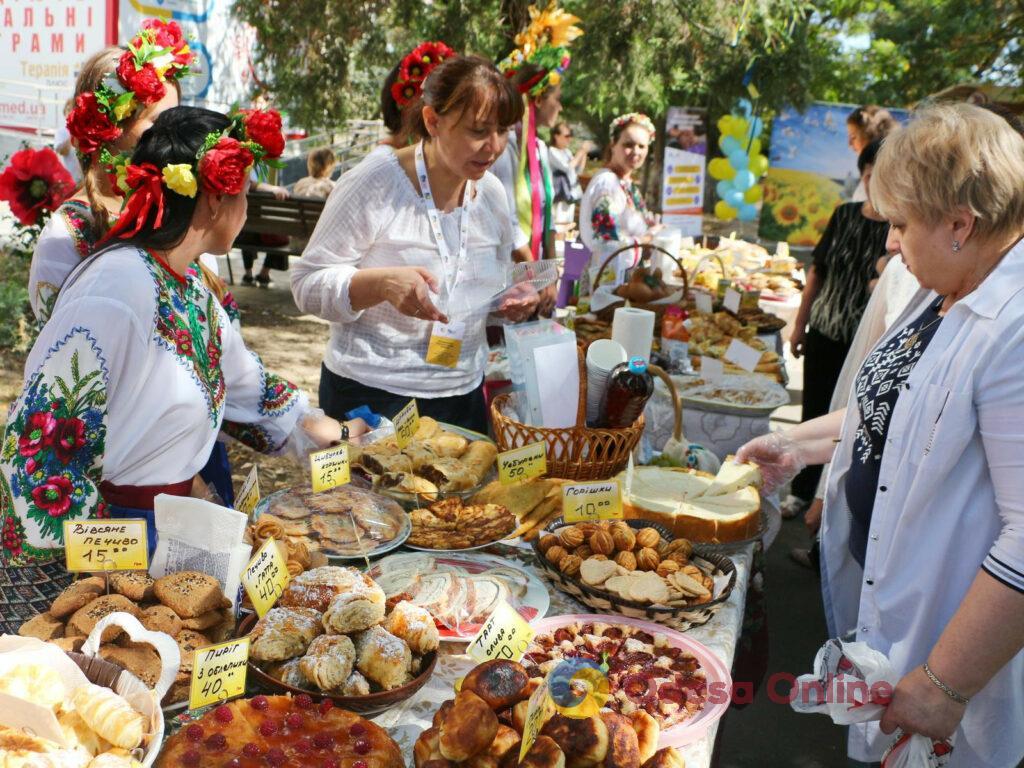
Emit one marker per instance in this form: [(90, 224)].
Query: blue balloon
[(756, 126), (734, 198), (743, 180), (739, 160), (723, 188), (747, 212), (745, 107), (730, 144)]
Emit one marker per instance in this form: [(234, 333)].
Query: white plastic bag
[(853, 683)]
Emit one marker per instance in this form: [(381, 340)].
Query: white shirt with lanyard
[(445, 345)]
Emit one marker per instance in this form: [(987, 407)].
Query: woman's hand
[(920, 706), (779, 457), (812, 517), (408, 290), (797, 340), (548, 298), (325, 431), (519, 303)]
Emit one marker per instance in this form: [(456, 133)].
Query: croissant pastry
[(109, 715), (294, 568), (267, 527)]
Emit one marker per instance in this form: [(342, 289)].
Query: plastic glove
[(778, 456)]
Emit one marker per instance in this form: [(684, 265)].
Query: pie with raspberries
[(278, 731), (644, 671)]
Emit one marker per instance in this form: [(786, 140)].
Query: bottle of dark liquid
[(630, 386)]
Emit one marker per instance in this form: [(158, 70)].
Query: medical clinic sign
[(43, 44)]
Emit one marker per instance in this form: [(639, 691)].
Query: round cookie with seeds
[(77, 594), (160, 618), (86, 617)]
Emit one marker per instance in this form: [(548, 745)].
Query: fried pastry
[(468, 729), (328, 661), (382, 657), (109, 715), (500, 683), (545, 753), (316, 588), (358, 608), (583, 741), (284, 633), (415, 626)]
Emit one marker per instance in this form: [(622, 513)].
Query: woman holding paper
[(138, 366), (410, 250), (922, 537)]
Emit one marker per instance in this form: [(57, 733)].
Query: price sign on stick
[(703, 301), (218, 673), (329, 468), (539, 711), (266, 577), (601, 500), (743, 355), (505, 635), (249, 496), (523, 463), (406, 423), (732, 300), (106, 545)]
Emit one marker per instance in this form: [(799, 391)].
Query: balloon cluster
[(737, 173)]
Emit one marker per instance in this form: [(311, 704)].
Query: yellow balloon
[(758, 164), (725, 211), (754, 194), (720, 169), (725, 125), (755, 147), (739, 127)]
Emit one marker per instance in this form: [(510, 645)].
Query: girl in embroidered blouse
[(613, 207), (118, 95), (130, 380)]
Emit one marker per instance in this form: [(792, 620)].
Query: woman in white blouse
[(922, 539), (613, 207), (414, 244), (138, 367)]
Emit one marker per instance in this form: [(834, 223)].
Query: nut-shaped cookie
[(555, 554), (665, 567), (681, 545), (546, 542), (602, 543), (583, 551), (598, 557), (587, 528), (571, 537), (647, 559), (648, 537), (570, 565), (627, 560), (678, 557), (624, 538)]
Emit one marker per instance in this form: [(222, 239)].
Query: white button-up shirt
[(950, 500)]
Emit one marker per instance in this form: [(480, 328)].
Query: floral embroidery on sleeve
[(53, 449), (252, 435), (603, 220), (78, 218)]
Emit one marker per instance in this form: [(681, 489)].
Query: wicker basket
[(647, 250), (602, 601), (573, 453)]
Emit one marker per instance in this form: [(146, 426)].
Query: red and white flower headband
[(632, 118), (414, 69), (157, 55)]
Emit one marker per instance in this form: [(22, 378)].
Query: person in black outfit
[(833, 301)]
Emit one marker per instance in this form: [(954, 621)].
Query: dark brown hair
[(319, 161), (874, 122), (465, 84), (390, 112)]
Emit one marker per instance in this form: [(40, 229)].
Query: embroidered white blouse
[(65, 240), (129, 382), (376, 218), (612, 210), (950, 501)]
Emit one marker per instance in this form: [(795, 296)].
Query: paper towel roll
[(634, 329)]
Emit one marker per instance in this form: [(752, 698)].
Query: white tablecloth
[(406, 721)]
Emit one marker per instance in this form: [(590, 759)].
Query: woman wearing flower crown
[(400, 94), (613, 207), (410, 240), (131, 378)]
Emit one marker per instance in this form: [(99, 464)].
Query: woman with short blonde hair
[(922, 542)]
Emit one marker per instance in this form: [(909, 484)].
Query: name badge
[(445, 344)]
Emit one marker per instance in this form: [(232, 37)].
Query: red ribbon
[(147, 192)]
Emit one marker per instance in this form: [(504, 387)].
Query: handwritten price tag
[(218, 673), (539, 711), (329, 468), (249, 496), (743, 355), (406, 423), (505, 635), (704, 303), (265, 577), (523, 463), (600, 500), (106, 545), (732, 300)]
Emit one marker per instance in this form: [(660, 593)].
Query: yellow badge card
[(505, 635), (406, 423), (445, 345), (601, 500), (523, 463), (329, 468), (249, 496), (540, 710), (266, 577), (218, 673), (106, 545)]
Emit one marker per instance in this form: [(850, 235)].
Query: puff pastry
[(116, 758), (356, 685), (328, 661), (109, 715), (356, 609), (414, 625), (78, 734), (284, 633), (382, 657), (36, 683)]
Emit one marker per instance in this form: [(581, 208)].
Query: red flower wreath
[(145, 82), (264, 127), (34, 182), (225, 167), (90, 125), (415, 67)]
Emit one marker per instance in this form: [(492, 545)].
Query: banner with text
[(682, 190)]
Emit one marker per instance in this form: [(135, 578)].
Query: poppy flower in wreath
[(53, 496), (404, 92), (34, 182), (38, 433), (69, 438)]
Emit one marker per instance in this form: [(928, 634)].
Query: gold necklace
[(912, 339)]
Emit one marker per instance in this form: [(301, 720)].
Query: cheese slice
[(732, 477), (746, 499), (660, 489)]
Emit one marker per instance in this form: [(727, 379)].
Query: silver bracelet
[(959, 698)]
